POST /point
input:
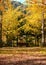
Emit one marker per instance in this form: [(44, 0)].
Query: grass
[(23, 50)]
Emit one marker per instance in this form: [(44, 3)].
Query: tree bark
[(42, 27), (0, 28)]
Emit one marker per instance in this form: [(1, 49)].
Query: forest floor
[(23, 56)]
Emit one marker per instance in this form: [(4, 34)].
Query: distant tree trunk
[(37, 43), (35, 40), (17, 40), (26, 41), (0, 28), (8, 41), (43, 28), (45, 38)]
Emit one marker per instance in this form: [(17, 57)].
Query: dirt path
[(22, 59)]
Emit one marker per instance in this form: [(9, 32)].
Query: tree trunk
[(42, 28), (35, 40), (0, 28), (8, 41), (17, 40)]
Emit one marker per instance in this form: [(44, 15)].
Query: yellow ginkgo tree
[(11, 23), (4, 5), (38, 12)]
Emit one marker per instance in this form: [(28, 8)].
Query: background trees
[(23, 23), (4, 5), (42, 5)]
